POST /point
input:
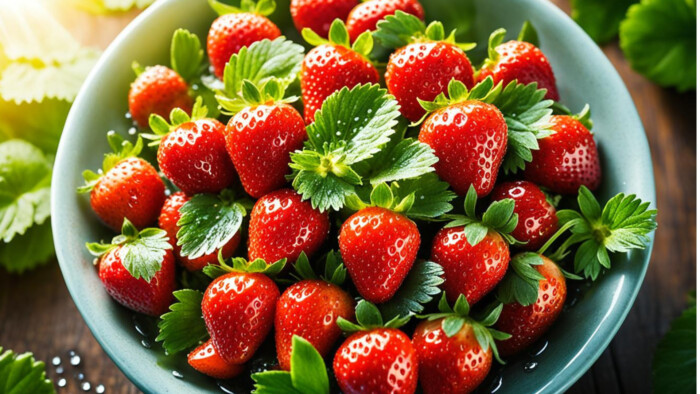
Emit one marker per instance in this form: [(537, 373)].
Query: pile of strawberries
[(369, 182)]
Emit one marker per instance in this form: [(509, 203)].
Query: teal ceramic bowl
[(584, 76)]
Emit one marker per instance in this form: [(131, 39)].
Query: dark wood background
[(38, 315)]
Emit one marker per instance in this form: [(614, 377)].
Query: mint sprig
[(419, 288), (401, 29), (183, 327), (21, 373), (186, 54), (307, 374)]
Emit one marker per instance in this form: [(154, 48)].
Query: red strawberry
[(379, 248), (537, 218), (332, 66), (470, 139), (170, 215), (157, 90), (377, 358), (235, 29), (518, 60), (192, 154), (284, 226), (451, 360), (206, 360), (364, 17), (310, 309), (526, 324), (259, 140), (143, 282), (129, 188), (425, 63), (474, 252), (318, 15), (239, 309), (567, 159)]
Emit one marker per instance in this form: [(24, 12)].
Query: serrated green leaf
[(420, 287), (274, 382), (407, 159), (28, 251), (183, 327), (675, 359), (586, 260), (600, 18), (398, 30), (21, 373), (308, 370), (143, 254), (432, 197), (186, 54)]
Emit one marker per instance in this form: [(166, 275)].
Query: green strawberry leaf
[(675, 359), (421, 285), (25, 181), (600, 18), (658, 39), (307, 374), (334, 269), (28, 251), (522, 282), (208, 222), (406, 159), (19, 121), (239, 264), (21, 373), (183, 327), (186, 54), (431, 196), (369, 317), (401, 29)]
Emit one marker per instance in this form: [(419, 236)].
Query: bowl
[(584, 75)]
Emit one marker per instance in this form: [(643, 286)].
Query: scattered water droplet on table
[(86, 386), (62, 382), (530, 366), (100, 389), (75, 360), (56, 361)]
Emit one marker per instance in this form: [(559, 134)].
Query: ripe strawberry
[(137, 269), (376, 358), (318, 15), (129, 187), (425, 63), (192, 151), (157, 90), (537, 218), (284, 226), (239, 308), (310, 309), (451, 355), (518, 60), (474, 252), (333, 65), (567, 159), (236, 28), (528, 323), (205, 359), (364, 16), (170, 215), (470, 139)]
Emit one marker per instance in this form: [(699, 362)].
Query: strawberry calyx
[(382, 196), (500, 216), (457, 93), (261, 7), (241, 265), (141, 252), (334, 269), (527, 34), (338, 35), (369, 318), (121, 149), (162, 127), (401, 29)]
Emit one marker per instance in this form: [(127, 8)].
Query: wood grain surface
[(38, 315)]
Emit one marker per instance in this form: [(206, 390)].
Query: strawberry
[(567, 159), (205, 359), (137, 269), (284, 226), (364, 16), (527, 323), (379, 247), (318, 15), (157, 90), (454, 351), (377, 357), (310, 308), (236, 28), (239, 308), (424, 64), (128, 187), (537, 217), (468, 136), (333, 65), (192, 151), (518, 60), (474, 252), (170, 215)]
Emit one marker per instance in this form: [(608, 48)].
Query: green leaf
[(600, 18), (431, 196), (407, 159), (364, 44), (419, 288), (25, 181), (529, 34), (521, 283), (368, 315), (675, 359), (399, 30), (658, 39), (21, 373), (338, 34), (20, 121), (382, 196), (452, 325), (183, 327), (186, 54), (208, 222), (28, 251), (308, 369), (475, 232), (142, 252), (100, 7)]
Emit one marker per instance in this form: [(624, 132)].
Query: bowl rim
[(559, 383)]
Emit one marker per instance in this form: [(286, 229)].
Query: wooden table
[(37, 313)]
